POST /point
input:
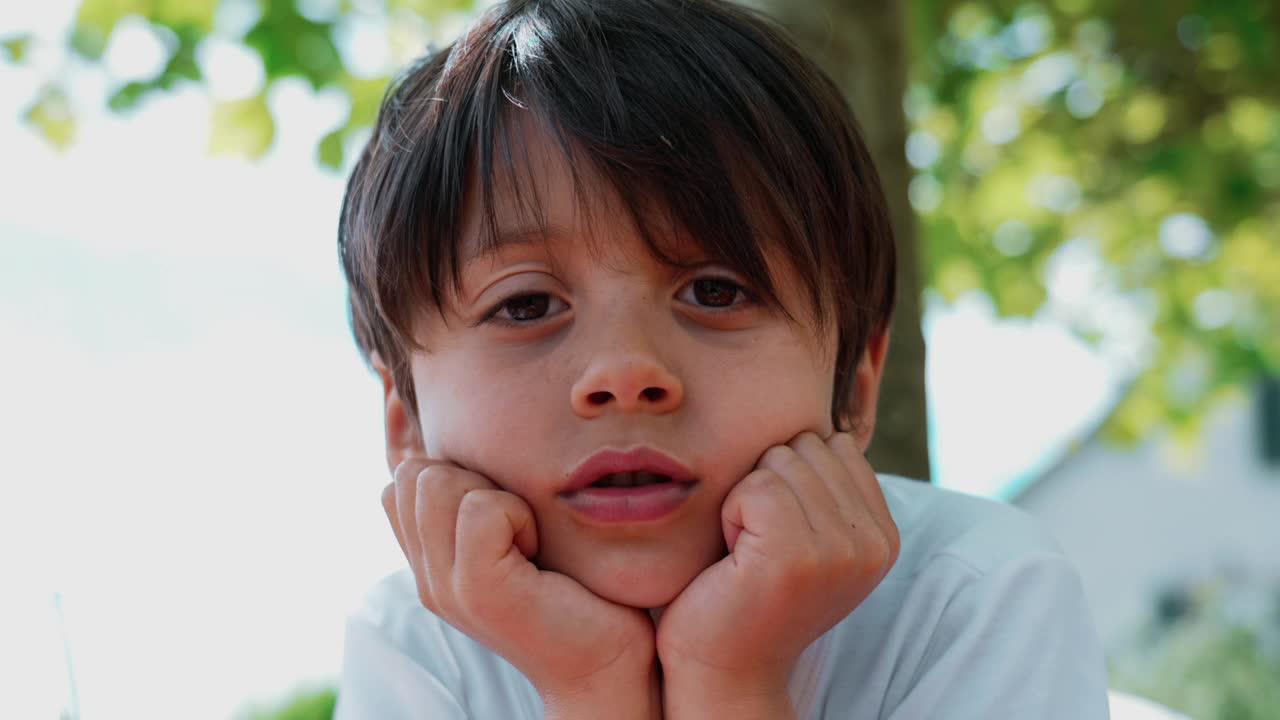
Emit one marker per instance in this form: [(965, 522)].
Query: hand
[(469, 545), (809, 537)]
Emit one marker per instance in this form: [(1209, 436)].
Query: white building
[(1141, 521)]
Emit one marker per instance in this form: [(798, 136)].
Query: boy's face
[(605, 347)]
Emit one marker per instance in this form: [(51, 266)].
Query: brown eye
[(715, 292), (527, 307)]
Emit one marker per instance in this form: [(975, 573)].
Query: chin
[(645, 590), (647, 573), (643, 597)]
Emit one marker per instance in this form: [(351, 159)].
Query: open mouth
[(637, 478), (627, 475)]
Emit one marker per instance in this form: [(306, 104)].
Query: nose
[(626, 382)]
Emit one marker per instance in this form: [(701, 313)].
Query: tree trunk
[(862, 45)]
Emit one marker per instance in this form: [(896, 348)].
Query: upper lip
[(638, 459)]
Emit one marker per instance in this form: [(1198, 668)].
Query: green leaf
[(290, 44), (51, 115), (182, 64), (104, 14), (329, 152), (96, 19), (431, 9), (317, 704), (189, 13), (242, 127), (366, 98), (15, 46), (88, 42), (127, 97)]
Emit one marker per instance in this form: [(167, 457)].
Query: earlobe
[(403, 437), (865, 390)]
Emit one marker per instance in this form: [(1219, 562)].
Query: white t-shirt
[(982, 617)]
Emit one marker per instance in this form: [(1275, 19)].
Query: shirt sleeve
[(381, 682), (1016, 641)]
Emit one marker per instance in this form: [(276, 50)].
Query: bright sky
[(192, 453)]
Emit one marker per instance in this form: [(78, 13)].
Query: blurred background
[(1086, 193)]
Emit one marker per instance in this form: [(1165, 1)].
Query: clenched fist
[(469, 544)]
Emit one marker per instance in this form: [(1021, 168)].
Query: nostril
[(599, 398), (654, 394)]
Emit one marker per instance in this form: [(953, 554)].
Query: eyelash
[(743, 297), (491, 317)]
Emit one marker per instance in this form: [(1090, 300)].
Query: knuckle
[(762, 481), (843, 444), (779, 456), (807, 437), (425, 595), (481, 511), (893, 546), (894, 539), (847, 446), (407, 470), (845, 558), (476, 503), (878, 553), (844, 440), (435, 475)]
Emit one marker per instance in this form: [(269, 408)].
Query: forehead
[(540, 190)]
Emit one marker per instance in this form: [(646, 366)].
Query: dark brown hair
[(700, 108)]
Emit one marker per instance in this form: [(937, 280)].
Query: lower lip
[(629, 504)]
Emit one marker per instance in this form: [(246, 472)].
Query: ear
[(865, 390), (404, 437)]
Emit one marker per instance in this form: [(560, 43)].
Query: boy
[(625, 273)]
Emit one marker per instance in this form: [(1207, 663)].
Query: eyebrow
[(508, 238)]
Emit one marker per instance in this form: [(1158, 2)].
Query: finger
[(441, 488), (868, 487), (393, 517), (406, 482), (762, 504), (815, 499), (491, 525), (832, 471), (862, 474)]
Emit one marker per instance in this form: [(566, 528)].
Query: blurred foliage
[(51, 115), (1212, 652), (15, 46), (1113, 164), (317, 704)]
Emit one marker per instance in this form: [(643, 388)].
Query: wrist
[(624, 696), (708, 697)]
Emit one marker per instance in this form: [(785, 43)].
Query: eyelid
[(490, 316), (486, 287), (717, 272), (513, 283)]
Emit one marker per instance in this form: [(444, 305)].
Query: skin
[(560, 345)]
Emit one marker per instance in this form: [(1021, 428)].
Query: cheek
[(489, 423), (780, 392)]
